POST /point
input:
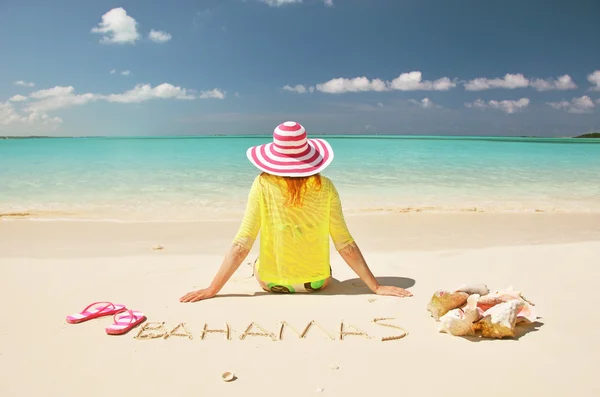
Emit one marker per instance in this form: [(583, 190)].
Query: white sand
[(51, 269)]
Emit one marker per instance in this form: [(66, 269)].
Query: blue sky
[(336, 66)]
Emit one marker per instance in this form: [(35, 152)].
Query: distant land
[(590, 135)]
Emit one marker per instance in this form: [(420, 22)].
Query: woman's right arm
[(349, 251), (354, 258)]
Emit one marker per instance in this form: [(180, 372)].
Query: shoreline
[(411, 231), (203, 216)]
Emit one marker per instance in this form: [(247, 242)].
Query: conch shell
[(458, 322), (500, 320), (443, 301), (471, 289), (527, 312)]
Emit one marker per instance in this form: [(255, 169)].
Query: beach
[(143, 221), (51, 269)]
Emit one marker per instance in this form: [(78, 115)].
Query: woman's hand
[(233, 259), (392, 291), (199, 295)]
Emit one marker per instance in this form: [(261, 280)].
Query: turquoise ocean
[(207, 178)]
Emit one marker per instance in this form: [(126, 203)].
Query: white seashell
[(480, 289), (319, 390), (527, 313), (228, 376), (500, 320), (458, 322), (334, 367)]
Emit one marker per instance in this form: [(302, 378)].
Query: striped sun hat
[(291, 153)]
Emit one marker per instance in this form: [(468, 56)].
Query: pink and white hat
[(291, 153)]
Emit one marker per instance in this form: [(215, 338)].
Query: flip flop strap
[(109, 304), (131, 316)]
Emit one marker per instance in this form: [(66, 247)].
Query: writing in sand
[(156, 330)]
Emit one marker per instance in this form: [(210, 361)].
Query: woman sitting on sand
[(296, 209)]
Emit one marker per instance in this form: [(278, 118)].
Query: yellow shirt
[(294, 241)]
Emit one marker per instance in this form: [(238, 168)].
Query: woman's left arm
[(232, 261)]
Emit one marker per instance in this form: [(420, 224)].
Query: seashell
[(319, 390), (527, 313), (228, 376), (443, 301), (500, 320), (458, 322), (471, 289), (158, 248)]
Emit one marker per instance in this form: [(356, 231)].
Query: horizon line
[(270, 135)]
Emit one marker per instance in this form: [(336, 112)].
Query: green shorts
[(311, 286)]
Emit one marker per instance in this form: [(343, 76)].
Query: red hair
[(296, 186)]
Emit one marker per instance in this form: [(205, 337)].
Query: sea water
[(201, 178)]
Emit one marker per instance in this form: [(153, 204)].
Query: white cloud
[(412, 81), (380, 104), (358, 84), (510, 81), (61, 101), (158, 36), (212, 94), (594, 79), (562, 83), (565, 83), (117, 27), (580, 105), (24, 83), (62, 97), (53, 92), (425, 103), (18, 98), (300, 89), (39, 103), (122, 73), (477, 104), (8, 116), (279, 3), (542, 85), (507, 106), (58, 98), (144, 92), (328, 3)]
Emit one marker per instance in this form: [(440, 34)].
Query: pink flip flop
[(100, 309), (125, 321)]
